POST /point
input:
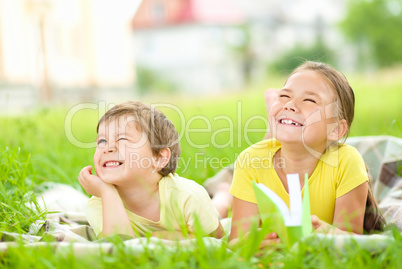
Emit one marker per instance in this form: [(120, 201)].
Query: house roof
[(159, 13)]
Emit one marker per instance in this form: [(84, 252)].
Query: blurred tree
[(150, 81), (318, 52), (376, 24), (299, 54)]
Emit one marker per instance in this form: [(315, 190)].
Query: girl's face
[(305, 111), (123, 154)]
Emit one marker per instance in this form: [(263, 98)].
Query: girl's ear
[(163, 158), (338, 130)]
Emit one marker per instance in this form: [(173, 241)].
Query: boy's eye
[(100, 141), (284, 95), (122, 138)]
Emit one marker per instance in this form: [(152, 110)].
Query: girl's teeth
[(290, 122)]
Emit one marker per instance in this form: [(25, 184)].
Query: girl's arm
[(348, 214), (114, 215), (350, 208), (243, 213)]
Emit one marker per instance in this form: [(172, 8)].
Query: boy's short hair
[(159, 130)]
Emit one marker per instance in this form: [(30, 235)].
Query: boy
[(135, 190)]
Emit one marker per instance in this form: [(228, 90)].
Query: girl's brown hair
[(338, 82), (345, 99)]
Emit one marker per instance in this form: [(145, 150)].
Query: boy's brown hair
[(160, 131)]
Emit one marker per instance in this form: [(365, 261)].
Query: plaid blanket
[(382, 154)]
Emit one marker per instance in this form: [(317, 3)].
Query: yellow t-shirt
[(182, 201), (338, 172)]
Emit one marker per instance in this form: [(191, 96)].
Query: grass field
[(52, 145)]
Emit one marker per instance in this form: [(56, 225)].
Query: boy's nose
[(111, 147)]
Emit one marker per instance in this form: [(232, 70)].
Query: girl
[(313, 111)]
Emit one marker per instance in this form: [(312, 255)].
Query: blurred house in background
[(59, 47), (209, 46), (190, 43), (71, 51)]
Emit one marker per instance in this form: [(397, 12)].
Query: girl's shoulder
[(348, 151), (262, 148), (341, 154)]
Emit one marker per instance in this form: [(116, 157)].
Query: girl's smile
[(299, 115)]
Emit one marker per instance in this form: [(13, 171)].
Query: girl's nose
[(290, 106)]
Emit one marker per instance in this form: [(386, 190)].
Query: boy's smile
[(123, 154), (112, 163)]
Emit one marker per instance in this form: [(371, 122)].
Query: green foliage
[(299, 54), (149, 81), (376, 24), (35, 148), (312, 252), (18, 206)]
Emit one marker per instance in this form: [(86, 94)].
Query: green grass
[(48, 145), (18, 207)]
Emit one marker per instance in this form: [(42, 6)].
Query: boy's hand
[(92, 184)]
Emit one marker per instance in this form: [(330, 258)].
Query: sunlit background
[(69, 51)]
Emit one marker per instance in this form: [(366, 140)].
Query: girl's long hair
[(373, 219)]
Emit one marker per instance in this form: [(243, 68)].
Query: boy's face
[(123, 154), (304, 111)]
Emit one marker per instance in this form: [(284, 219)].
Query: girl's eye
[(310, 100), (284, 95), (121, 139), (100, 141)]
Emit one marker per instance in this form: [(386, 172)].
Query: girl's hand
[(92, 184), (322, 227), (270, 239)]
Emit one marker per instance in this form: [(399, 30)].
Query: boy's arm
[(115, 218), (178, 235), (114, 215), (219, 232)]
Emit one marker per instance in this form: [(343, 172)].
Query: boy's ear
[(163, 158), (338, 130)]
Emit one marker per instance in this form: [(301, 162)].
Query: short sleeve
[(242, 176), (197, 206), (94, 214), (352, 171)]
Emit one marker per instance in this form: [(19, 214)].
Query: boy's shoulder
[(175, 183)]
